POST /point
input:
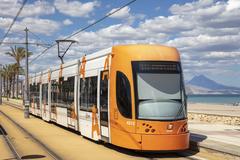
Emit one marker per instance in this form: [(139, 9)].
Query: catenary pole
[(26, 88)]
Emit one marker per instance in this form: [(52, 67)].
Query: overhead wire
[(35, 35), (83, 29), (31, 43), (14, 20)]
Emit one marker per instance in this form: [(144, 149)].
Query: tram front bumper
[(165, 142)]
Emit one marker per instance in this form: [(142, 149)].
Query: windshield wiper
[(179, 111)]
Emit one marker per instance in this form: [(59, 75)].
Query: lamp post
[(26, 88), (0, 84)]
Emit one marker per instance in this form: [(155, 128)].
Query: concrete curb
[(197, 142)]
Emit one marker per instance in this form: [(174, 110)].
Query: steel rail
[(10, 145), (51, 153)]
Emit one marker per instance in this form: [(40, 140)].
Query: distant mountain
[(203, 85)]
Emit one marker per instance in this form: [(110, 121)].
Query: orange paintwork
[(131, 133), (106, 68), (165, 142), (95, 126), (158, 127), (82, 67), (72, 113), (60, 71), (49, 76), (106, 64)]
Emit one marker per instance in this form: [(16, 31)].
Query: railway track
[(9, 144), (13, 105), (18, 156)]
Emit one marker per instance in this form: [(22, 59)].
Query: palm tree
[(3, 80), (6, 74), (9, 75), (13, 70), (18, 53)]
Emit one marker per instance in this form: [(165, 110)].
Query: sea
[(215, 99)]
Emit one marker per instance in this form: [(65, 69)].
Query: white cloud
[(67, 22), (5, 8), (5, 22), (206, 43), (233, 4), (123, 13), (223, 55), (37, 25), (167, 24), (119, 32), (38, 8), (189, 7), (4, 58), (116, 34), (9, 8), (76, 8)]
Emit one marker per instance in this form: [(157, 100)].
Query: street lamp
[(26, 88), (0, 84)]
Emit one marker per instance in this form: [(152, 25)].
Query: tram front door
[(104, 106)]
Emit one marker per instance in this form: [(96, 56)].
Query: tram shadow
[(195, 139), (194, 149)]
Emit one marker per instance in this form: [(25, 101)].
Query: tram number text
[(130, 123)]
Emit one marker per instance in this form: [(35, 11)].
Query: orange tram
[(131, 96)]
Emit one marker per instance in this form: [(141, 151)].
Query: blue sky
[(206, 32)]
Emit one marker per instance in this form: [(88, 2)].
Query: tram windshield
[(160, 93)]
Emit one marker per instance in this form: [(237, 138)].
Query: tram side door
[(104, 106)]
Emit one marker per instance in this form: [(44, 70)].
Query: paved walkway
[(225, 138), (214, 109)]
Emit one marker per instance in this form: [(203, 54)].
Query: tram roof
[(105, 52)]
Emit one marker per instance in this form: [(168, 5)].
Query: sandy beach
[(229, 110)]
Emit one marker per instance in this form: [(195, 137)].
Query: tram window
[(104, 100), (88, 93), (54, 92), (123, 94), (59, 91), (37, 95), (45, 94), (83, 94), (67, 92), (92, 92), (32, 87), (32, 92)]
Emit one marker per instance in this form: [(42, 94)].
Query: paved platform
[(220, 137)]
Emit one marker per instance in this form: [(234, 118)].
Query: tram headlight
[(184, 128), (170, 126)]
